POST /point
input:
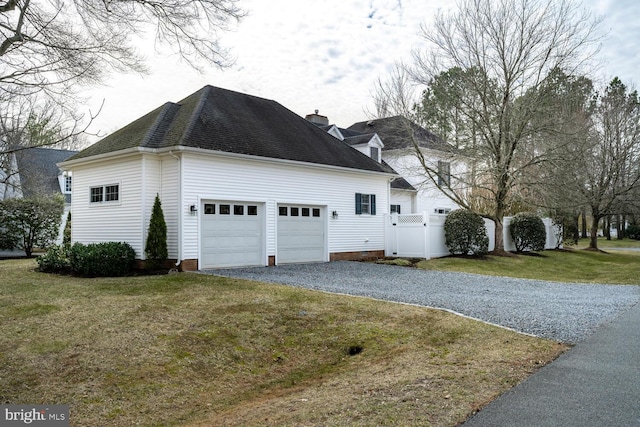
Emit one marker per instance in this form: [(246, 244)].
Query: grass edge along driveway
[(191, 349)]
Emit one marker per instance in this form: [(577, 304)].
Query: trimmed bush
[(528, 232), (55, 260), (110, 259), (465, 233)]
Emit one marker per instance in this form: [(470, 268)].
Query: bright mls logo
[(36, 415)]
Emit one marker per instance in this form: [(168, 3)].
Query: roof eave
[(202, 151)]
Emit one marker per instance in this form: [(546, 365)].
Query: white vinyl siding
[(170, 202), (210, 177), (429, 196), (109, 221), (184, 179), (405, 199)]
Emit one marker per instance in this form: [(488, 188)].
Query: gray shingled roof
[(227, 121), (398, 132), (402, 184), (38, 170)]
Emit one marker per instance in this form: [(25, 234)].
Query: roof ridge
[(195, 115), (169, 113)]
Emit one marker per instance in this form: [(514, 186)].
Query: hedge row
[(110, 259)]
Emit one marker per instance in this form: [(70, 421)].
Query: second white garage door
[(301, 234)]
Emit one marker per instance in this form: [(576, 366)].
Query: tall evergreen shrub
[(156, 247)]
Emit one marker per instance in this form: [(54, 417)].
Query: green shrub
[(110, 259), (156, 247), (55, 260), (633, 232), (465, 233), (528, 232), (66, 234)]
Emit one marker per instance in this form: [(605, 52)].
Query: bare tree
[(49, 44), (26, 123), (503, 49), (50, 47), (610, 161)]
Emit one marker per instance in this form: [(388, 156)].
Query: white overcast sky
[(324, 55)]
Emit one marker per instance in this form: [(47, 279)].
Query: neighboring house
[(401, 138), (243, 181), (32, 172), (393, 140)]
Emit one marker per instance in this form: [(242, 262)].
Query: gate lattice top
[(410, 219)]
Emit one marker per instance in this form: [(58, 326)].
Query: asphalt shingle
[(222, 120)]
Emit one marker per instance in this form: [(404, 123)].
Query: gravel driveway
[(558, 311)]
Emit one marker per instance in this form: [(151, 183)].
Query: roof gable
[(38, 169), (226, 121), (398, 132)]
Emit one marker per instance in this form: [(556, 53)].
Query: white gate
[(406, 235)]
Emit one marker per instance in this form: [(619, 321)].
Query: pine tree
[(156, 247)]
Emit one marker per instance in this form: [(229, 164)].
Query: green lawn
[(613, 243), (197, 350), (572, 265)]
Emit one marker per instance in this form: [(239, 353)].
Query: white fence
[(421, 235)]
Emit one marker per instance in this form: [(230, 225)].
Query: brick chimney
[(317, 119)]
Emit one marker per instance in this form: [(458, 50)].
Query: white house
[(402, 139), (393, 140), (243, 181)]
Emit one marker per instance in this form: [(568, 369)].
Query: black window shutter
[(372, 200), (358, 204)]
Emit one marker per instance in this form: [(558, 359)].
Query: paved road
[(595, 384)]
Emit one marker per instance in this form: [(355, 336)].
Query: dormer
[(369, 144), (333, 130)]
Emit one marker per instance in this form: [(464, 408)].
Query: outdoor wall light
[(193, 209), (334, 214)]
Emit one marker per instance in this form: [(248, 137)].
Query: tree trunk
[(584, 224), (498, 248), (606, 227), (576, 230), (593, 240), (621, 226)]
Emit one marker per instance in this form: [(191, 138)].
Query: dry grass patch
[(191, 349)]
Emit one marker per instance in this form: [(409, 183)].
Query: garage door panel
[(301, 234), (233, 238)]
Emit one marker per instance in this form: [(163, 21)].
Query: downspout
[(179, 159)]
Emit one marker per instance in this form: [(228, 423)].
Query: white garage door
[(301, 234), (231, 234)]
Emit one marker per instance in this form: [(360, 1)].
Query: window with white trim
[(67, 184), (395, 209), (104, 193), (365, 204)]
